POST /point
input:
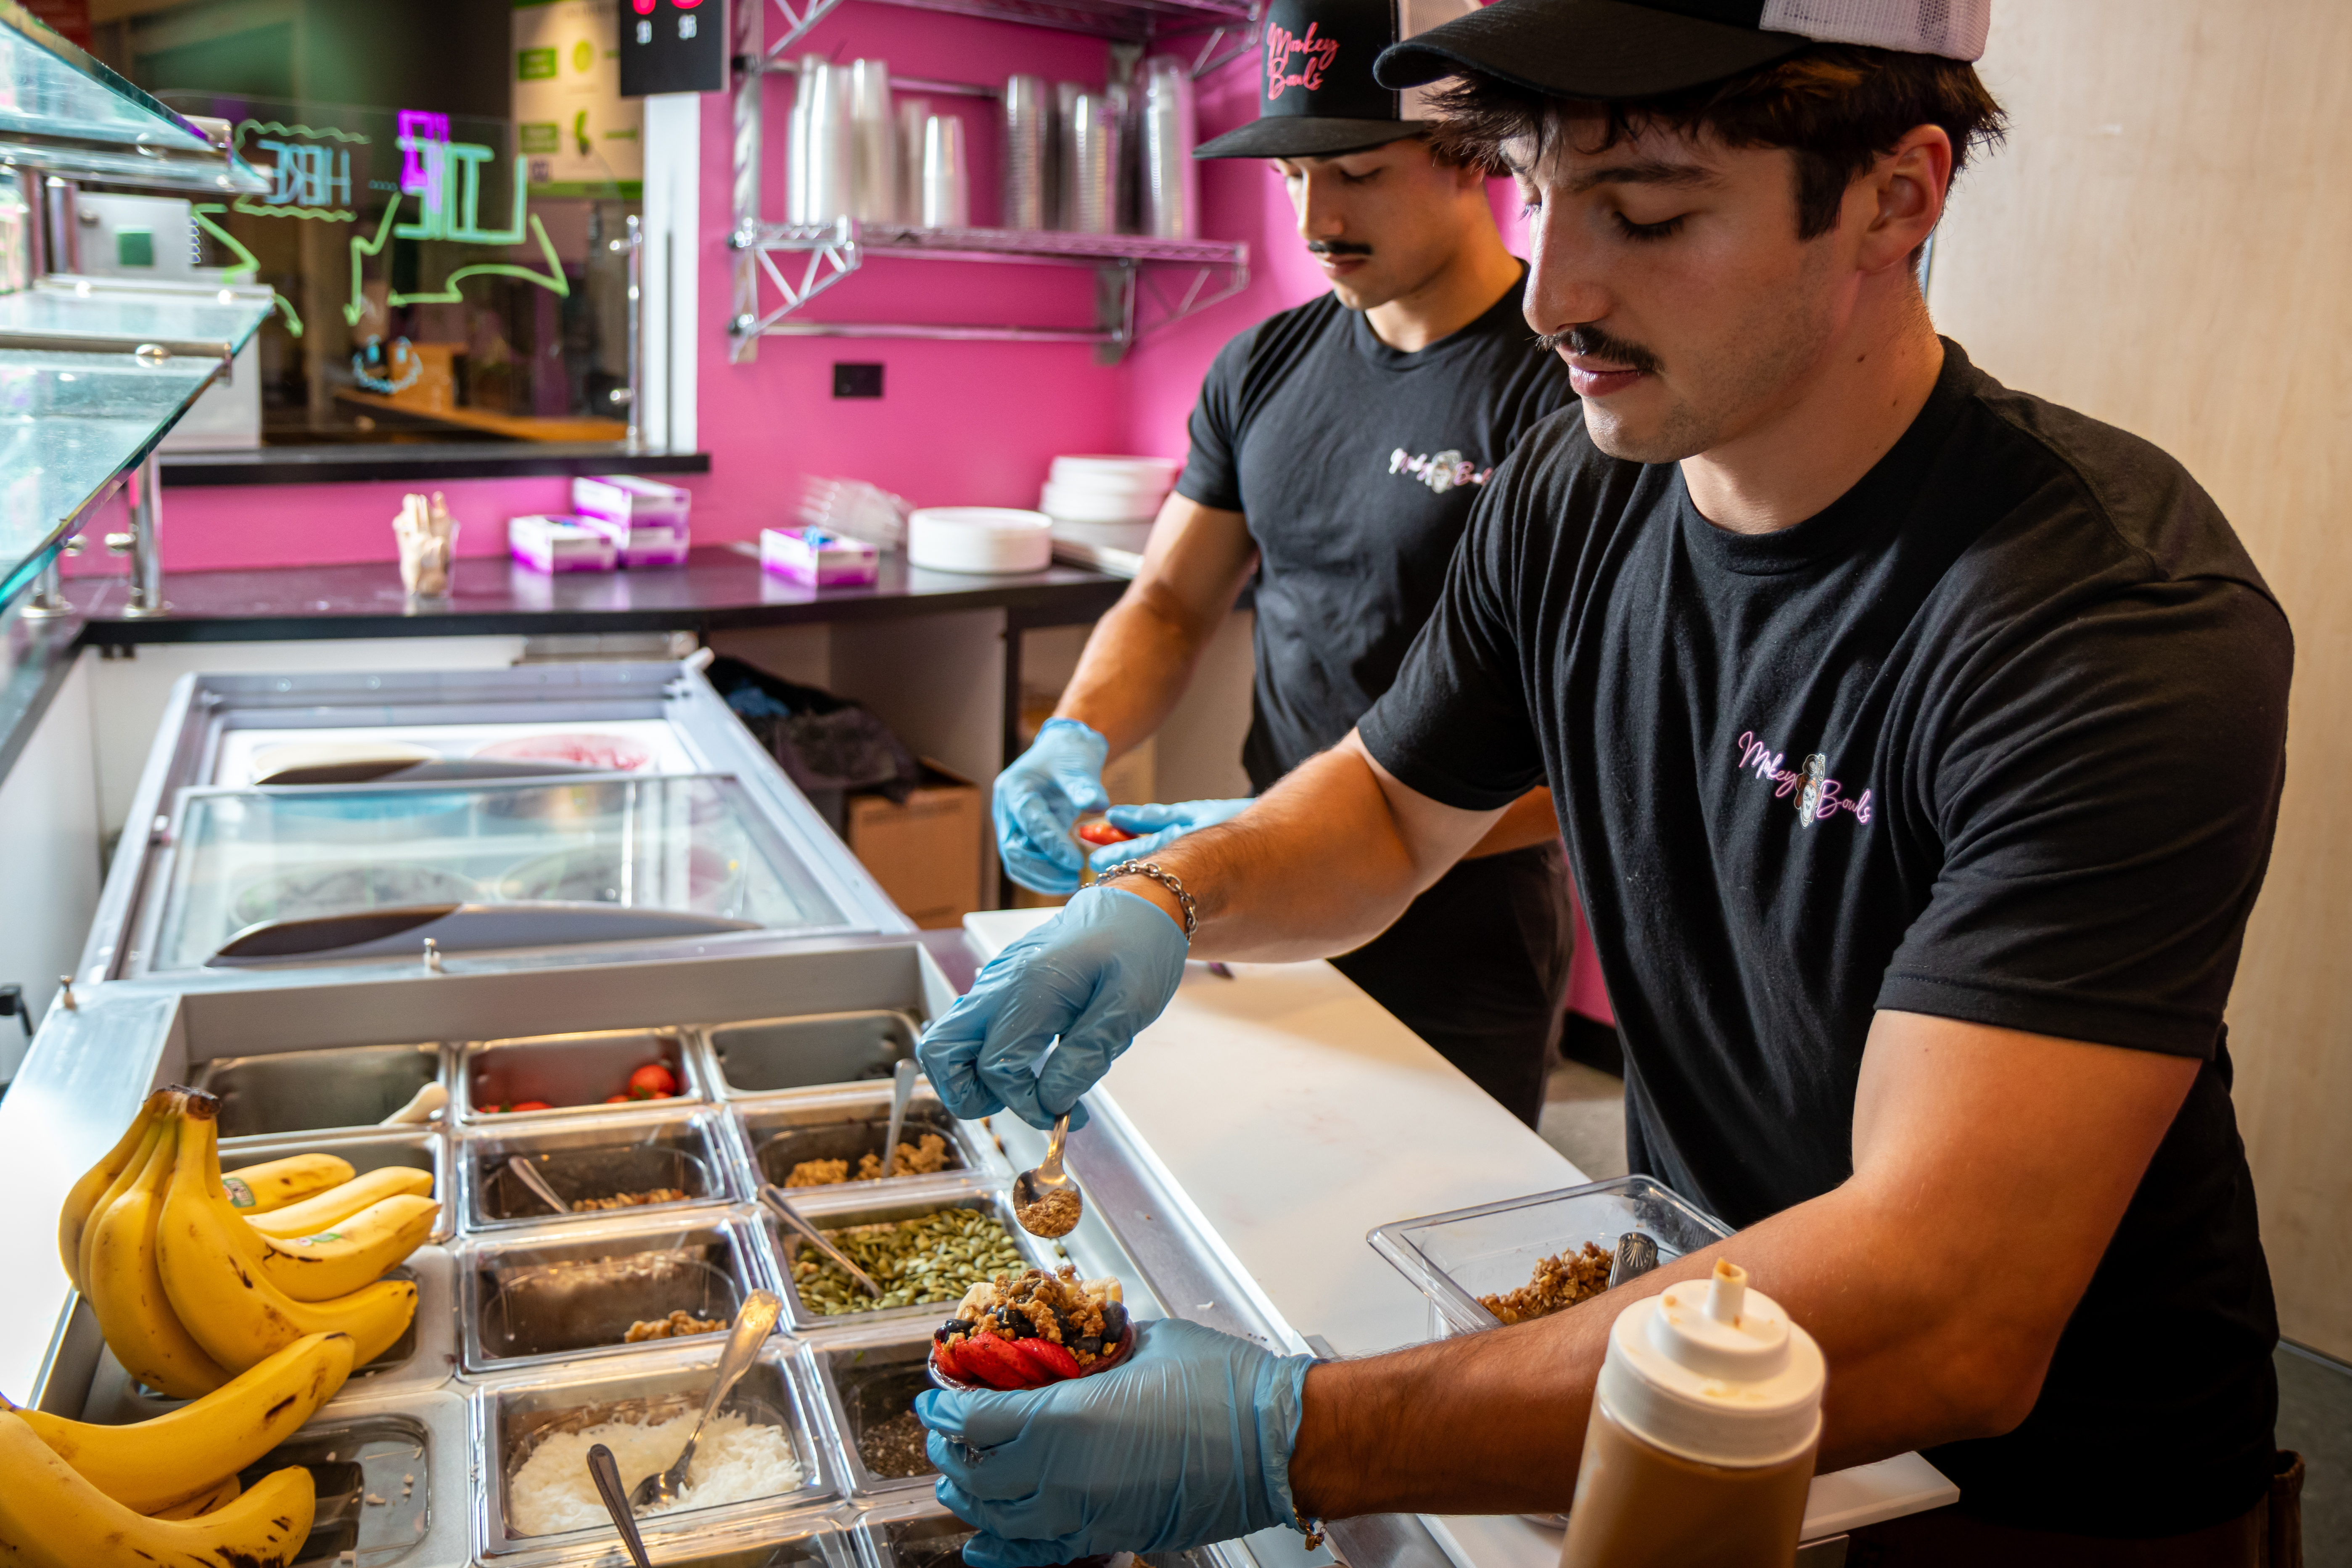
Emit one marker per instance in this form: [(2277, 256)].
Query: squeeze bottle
[(1705, 1423)]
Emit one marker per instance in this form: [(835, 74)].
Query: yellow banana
[(180, 1457), (274, 1183), (312, 1215), (81, 1201), (51, 1518), (335, 1262), (124, 1289), (122, 1183), (204, 1502), (231, 1309)]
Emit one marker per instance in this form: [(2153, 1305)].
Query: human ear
[(1905, 190)]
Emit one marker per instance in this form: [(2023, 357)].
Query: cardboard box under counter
[(925, 853)]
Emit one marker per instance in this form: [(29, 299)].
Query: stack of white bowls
[(1105, 499)]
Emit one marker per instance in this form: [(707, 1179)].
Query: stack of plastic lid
[(1106, 491)]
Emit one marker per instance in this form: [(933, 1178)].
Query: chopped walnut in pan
[(1559, 1284)]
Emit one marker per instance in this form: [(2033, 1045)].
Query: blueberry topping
[(1113, 1320), (1091, 1345)]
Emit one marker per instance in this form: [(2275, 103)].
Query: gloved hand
[(1094, 975), (1040, 797), (1188, 1443), (1160, 825)]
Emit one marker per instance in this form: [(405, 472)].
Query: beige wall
[(2167, 244)]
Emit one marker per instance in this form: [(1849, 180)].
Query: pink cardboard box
[(814, 556), (646, 521), (547, 543)]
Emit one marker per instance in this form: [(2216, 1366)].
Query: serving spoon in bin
[(902, 1090), (754, 1321), (784, 1210), (528, 1174), (605, 1471)]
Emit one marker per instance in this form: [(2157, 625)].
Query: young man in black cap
[(1918, 745), (1337, 449)]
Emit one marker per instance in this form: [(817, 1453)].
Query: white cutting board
[(1297, 1114)]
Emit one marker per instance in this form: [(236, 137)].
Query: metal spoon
[(1635, 1256), (528, 1174), (902, 1090), (754, 1323), (1031, 1187), (606, 1474), (810, 1233)]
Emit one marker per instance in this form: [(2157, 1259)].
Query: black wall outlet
[(856, 380)]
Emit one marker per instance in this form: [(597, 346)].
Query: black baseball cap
[(1317, 97), (1613, 49)]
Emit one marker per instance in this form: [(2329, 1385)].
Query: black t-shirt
[(1356, 466), (1996, 736)]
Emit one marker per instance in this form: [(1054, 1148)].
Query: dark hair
[(1839, 108)]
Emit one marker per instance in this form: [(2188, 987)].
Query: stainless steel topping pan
[(839, 1213), (569, 1293), (870, 1382), (590, 1158), (575, 1074), (772, 1055), (512, 1417), (782, 1133), (347, 1090)]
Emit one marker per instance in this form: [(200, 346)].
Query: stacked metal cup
[(875, 153), (827, 164), (1027, 126), (1170, 195), (912, 114), (1065, 181), (1090, 164), (946, 183)]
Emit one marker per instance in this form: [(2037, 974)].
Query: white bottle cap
[(1714, 1371)]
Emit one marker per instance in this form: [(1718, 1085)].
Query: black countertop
[(720, 588)]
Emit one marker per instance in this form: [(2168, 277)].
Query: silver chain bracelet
[(1151, 869)]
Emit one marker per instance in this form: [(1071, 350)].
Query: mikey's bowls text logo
[(1296, 60), (1443, 471), (1808, 786)]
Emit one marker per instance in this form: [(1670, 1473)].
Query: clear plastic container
[(1455, 1259)]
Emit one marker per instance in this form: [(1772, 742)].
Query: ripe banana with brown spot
[(179, 1458), (323, 1211), (276, 1183), (231, 1308), (81, 1199), (127, 1292), (337, 1261), (51, 1518)]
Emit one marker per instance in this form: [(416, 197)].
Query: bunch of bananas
[(194, 1281), (166, 1490)]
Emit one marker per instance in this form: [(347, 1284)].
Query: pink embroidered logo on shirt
[(1316, 57), (1818, 795), (1441, 472)]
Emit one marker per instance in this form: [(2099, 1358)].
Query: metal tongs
[(784, 1210)]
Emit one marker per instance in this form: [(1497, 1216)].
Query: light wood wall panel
[(2166, 244)]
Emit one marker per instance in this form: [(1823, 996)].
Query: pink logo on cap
[(1314, 58)]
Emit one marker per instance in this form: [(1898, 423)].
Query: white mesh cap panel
[(1952, 28), (1414, 18)]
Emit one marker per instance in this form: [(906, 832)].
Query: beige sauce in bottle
[(1705, 1423)]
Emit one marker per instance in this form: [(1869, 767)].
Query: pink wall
[(974, 423)]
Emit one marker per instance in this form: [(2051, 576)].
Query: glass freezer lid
[(693, 844)]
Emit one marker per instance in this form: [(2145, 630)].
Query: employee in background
[(1335, 451)]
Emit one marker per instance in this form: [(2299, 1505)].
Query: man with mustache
[(1918, 746), (1335, 452)]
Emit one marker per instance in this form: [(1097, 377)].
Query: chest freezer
[(500, 817)]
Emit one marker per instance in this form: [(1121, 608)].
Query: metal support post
[(146, 541), (635, 245), (48, 600)]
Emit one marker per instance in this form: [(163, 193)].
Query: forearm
[(1321, 864), (1136, 663), (1494, 1423), (1527, 820)]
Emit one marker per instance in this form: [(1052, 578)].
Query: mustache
[(1338, 247), (1593, 343)]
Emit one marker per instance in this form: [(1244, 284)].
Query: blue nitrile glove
[(1188, 1443), (1158, 827), (1094, 975), (1040, 797)]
